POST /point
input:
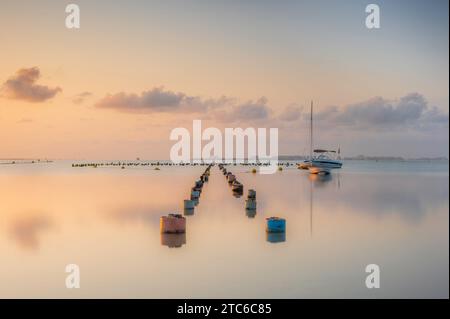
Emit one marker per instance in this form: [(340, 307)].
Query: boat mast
[(311, 135)]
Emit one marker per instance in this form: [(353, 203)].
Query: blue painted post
[(276, 225)]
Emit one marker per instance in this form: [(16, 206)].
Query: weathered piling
[(195, 194), (189, 204), (237, 187), (172, 224), (275, 225), (199, 184), (251, 194)]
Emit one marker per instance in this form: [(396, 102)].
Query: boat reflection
[(173, 240), (320, 179)]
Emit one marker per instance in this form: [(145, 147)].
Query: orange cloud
[(21, 86), (81, 97)]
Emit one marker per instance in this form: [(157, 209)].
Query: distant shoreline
[(280, 158), (369, 158)]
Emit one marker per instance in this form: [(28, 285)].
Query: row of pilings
[(237, 189), (156, 165), (275, 226), (173, 226)]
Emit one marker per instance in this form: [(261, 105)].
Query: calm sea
[(106, 220)]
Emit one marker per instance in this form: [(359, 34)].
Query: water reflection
[(137, 214), (173, 240), (320, 179), (26, 231), (408, 196), (316, 181), (276, 237), (109, 215), (237, 194), (251, 213)]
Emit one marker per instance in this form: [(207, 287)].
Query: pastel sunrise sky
[(116, 87)]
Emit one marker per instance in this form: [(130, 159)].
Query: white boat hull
[(327, 164)]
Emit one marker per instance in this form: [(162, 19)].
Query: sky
[(135, 70)]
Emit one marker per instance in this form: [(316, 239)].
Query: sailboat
[(320, 160), (306, 164)]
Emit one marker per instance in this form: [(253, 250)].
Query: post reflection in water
[(276, 237), (251, 213), (173, 240), (27, 231)]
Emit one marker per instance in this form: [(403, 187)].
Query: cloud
[(223, 109), (21, 86), (81, 97), (381, 112), (411, 111), (24, 120), (291, 113), (249, 111), (160, 100), (154, 100), (252, 110)]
